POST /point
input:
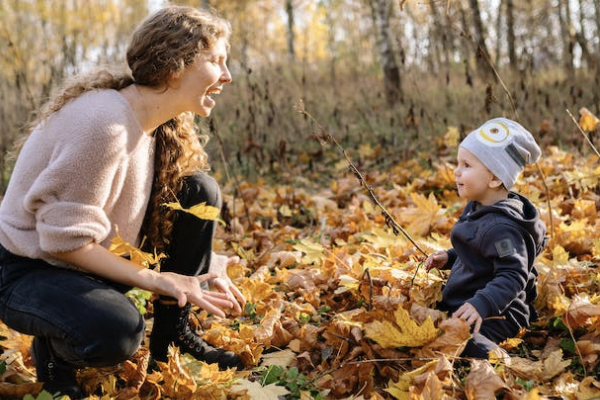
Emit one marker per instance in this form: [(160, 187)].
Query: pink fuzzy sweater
[(82, 173)]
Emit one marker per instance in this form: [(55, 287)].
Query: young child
[(492, 282)]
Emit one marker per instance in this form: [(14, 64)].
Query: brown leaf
[(581, 312), (454, 337), (482, 383), (135, 369), (18, 391), (588, 388)]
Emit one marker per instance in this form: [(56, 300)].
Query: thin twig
[(389, 220), (541, 172)]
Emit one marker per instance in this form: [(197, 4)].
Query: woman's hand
[(469, 314), (436, 260), (189, 289), (97, 260), (221, 281)]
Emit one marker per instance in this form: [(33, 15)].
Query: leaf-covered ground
[(340, 307)]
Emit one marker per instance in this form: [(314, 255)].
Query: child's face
[(473, 180)]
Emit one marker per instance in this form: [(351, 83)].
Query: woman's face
[(205, 78)]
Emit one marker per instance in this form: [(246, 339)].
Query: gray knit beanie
[(504, 147)]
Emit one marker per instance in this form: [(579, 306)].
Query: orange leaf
[(587, 121), (122, 248)]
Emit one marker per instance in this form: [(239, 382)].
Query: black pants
[(87, 320), (490, 334)]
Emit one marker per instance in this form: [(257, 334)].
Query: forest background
[(391, 74), (396, 84)]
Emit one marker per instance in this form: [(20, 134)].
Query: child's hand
[(436, 260), (469, 314)]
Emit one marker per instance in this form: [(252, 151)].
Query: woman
[(104, 156)]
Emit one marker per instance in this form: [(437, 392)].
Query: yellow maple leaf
[(426, 214), (201, 210), (178, 382), (400, 388), (313, 251), (404, 331), (381, 238)]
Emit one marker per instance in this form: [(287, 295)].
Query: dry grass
[(261, 135)]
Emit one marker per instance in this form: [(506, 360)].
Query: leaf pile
[(339, 306)]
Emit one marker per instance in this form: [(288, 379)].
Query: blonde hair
[(161, 47)]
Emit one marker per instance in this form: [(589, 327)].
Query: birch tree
[(391, 73)]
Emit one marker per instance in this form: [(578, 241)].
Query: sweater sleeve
[(68, 196), (506, 246)]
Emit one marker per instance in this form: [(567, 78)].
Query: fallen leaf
[(201, 210), (403, 331), (256, 391), (482, 383)]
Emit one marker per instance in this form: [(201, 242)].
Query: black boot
[(58, 376), (171, 326)]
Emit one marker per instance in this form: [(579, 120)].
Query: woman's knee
[(200, 188), (115, 344)]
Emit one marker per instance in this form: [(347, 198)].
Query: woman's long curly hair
[(161, 48)]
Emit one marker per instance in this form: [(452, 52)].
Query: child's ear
[(495, 183)]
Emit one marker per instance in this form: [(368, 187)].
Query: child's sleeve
[(451, 259)]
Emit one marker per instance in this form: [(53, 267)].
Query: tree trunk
[(440, 38), (391, 73), (332, 47), (499, 31), (465, 50), (564, 18), (483, 55), (581, 38), (510, 35), (289, 9), (597, 10)]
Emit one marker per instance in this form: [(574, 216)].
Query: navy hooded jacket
[(494, 248)]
